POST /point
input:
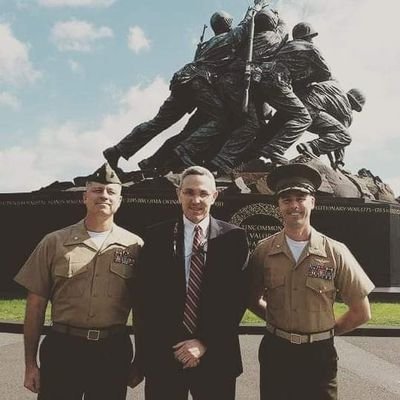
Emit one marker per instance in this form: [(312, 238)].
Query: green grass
[(387, 314), (382, 313), (14, 310)]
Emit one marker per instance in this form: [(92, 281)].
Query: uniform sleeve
[(351, 281), (266, 45), (240, 32), (35, 274)]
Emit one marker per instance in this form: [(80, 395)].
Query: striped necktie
[(190, 314)]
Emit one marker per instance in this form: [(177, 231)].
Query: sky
[(77, 75)]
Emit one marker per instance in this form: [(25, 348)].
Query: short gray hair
[(197, 170)]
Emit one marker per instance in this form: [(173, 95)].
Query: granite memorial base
[(370, 229)]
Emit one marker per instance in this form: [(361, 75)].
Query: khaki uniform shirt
[(87, 287), (300, 295)]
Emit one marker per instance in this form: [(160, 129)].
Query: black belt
[(89, 334), (297, 338)]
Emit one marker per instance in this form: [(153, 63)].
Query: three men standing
[(189, 290)]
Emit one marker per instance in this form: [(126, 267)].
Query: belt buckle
[(93, 334), (295, 338)]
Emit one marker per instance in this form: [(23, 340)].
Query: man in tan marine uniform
[(85, 270), (295, 276)]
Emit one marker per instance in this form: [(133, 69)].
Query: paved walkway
[(369, 369)]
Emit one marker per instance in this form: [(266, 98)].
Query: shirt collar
[(189, 225), (316, 244), (79, 234)]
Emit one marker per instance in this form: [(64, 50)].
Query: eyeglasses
[(203, 194)]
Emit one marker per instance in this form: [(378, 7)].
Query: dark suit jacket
[(161, 295)]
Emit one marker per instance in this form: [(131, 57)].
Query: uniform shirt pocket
[(120, 275), (125, 271), (74, 262), (320, 294), (71, 276)]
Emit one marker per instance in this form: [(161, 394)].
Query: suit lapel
[(215, 231), (179, 249)]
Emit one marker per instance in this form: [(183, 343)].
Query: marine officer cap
[(105, 175), (296, 176)]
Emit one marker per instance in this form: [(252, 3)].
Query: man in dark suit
[(191, 299)]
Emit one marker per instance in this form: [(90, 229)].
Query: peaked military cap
[(105, 175), (295, 176)]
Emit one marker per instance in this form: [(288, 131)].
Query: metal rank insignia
[(321, 272), (122, 256)]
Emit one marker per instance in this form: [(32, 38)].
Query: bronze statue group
[(251, 93)]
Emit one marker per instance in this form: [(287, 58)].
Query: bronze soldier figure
[(190, 88), (331, 110), (280, 82), (270, 35)]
